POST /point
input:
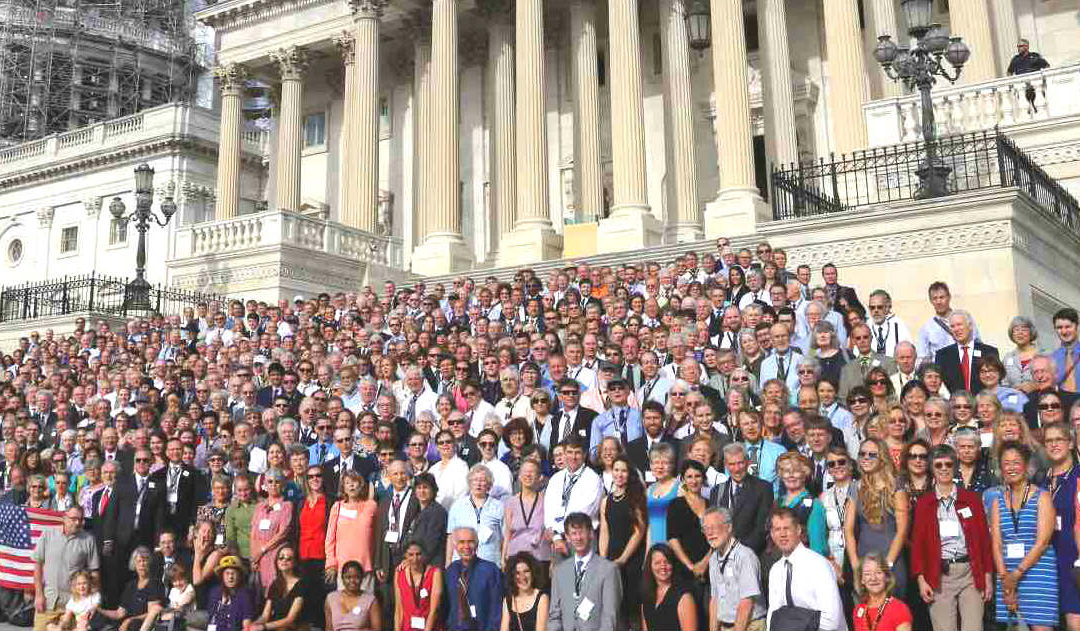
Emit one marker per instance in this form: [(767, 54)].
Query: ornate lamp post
[(917, 68), (697, 25), (138, 290)]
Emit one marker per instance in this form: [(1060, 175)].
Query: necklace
[(618, 497)]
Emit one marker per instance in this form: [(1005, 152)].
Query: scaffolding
[(69, 63)]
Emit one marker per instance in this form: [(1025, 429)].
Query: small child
[(181, 596), (82, 605)]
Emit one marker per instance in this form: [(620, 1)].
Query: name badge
[(860, 611), (976, 353), (472, 611), (423, 592), (264, 524), (1014, 551), (950, 529), (152, 485), (484, 533), (211, 627), (348, 513), (219, 540), (391, 536), (186, 473), (877, 362), (584, 609), (808, 502), (1058, 526), (417, 622), (986, 438), (650, 477), (356, 610), (277, 506), (964, 512), (581, 432)]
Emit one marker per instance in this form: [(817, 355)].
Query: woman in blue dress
[(661, 492), (1021, 526), (1060, 481)]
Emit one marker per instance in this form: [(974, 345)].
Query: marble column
[(420, 24), (738, 205), (500, 61), (970, 19), (231, 81), (590, 186), (778, 98), (631, 224), (533, 237), (1006, 32), (291, 63), (883, 16), (846, 74), (347, 183), (444, 249), (684, 224), (366, 14)]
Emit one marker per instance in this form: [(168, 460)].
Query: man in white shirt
[(886, 328), (415, 397), (574, 489), (576, 369), (906, 359), (654, 384), (813, 582)]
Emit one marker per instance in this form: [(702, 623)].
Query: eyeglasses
[(456, 421), (922, 457), (142, 460), (487, 444), (869, 455), (341, 440), (961, 406), (878, 382), (444, 442), (877, 307), (839, 462), (569, 393), (312, 476), (858, 400), (934, 415), (941, 465), (678, 394), (1049, 406), (420, 445)]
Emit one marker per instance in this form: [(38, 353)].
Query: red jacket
[(926, 538)]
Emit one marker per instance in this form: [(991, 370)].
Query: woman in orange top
[(351, 526)]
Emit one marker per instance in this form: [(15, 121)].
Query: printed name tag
[(808, 502), (211, 627), (950, 529), (348, 513), (484, 533), (417, 622), (186, 473), (391, 536), (356, 610), (423, 592), (277, 506), (976, 352), (650, 477), (152, 485), (219, 540), (472, 611), (986, 439), (1014, 551), (264, 524), (1058, 526), (964, 512), (585, 608)]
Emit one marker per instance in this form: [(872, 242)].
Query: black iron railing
[(93, 293), (979, 160)]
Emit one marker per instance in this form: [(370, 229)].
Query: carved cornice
[(291, 61), (367, 9), (346, 45), (230, 78), (232, 14)]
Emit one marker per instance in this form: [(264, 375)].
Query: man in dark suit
[(131, 517), (637, 450), (110, 451), (275, 373), (748, 497), (393, 520), (960, 362), (181, 485), (838, 292), (168, 554), (571, 419), (345, 461)]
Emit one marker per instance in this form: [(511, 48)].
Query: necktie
[(463, 594), (965, 367), (104, 500), (787, 565), (1069, 382), (322, 453), (864, 361), (781, 370), (881, 339), (579, 575), (411, 414), (622, 427), (734, 494), (564, 426)]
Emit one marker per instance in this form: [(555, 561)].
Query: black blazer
[(187, 500), (583, 423), (331, 470), (120, 525), (388, 555), (182, 557), (466, 449), (638, 454), (750, 515), (429, 529), (948, 359)]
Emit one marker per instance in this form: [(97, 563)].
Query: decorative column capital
[(92, 205), (367, 9), (291, 61), (230, 78), (346, 45)]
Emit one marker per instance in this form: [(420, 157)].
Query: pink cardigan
[(351, 538)]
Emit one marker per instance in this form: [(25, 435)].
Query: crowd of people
[(712, 443)]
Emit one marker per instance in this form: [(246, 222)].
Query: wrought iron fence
[(91, 293), (979, 160)]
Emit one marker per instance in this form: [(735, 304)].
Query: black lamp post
[(697, 25), (138, 290), (917, 68)]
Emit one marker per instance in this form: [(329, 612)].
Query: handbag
[(792, 618)]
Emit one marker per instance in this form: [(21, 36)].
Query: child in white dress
[(82, 605), (181, 596)]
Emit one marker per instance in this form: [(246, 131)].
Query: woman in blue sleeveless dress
[(1060, 481), (662, 492), (1021, 525)]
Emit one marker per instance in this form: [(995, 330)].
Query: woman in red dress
[(417, 592), (878, 610)]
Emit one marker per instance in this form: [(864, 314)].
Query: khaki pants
[(957, 594), (43, 618)]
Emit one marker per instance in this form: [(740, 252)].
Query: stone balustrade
[(1004, 102), (279, 229), (171, 119)]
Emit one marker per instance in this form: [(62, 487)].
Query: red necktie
[(104, 501), (965, 368)]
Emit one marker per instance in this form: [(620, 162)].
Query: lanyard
[(568, 486), (841, 503), (532, 509), (479, 510), (727, 556), (1060, 480), (398, 501), (1015, 513), (880, 612), (416, 587)]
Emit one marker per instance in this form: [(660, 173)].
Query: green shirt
[(238, 525)]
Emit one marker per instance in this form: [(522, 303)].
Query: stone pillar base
[(735, 212), (683, 233), (529, 244), (628, 228), (441, 254)]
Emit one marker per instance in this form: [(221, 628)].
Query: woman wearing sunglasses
[(876, 518), (836, 500)]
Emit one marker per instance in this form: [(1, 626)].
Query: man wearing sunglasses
[(854, 373), (571, 420), (133, 515)]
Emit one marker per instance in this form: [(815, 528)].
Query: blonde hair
[(879, 559), (877, 489)]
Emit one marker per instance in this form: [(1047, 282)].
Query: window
[(69, 239), (315, 130), (118, 231), (15, 252)]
